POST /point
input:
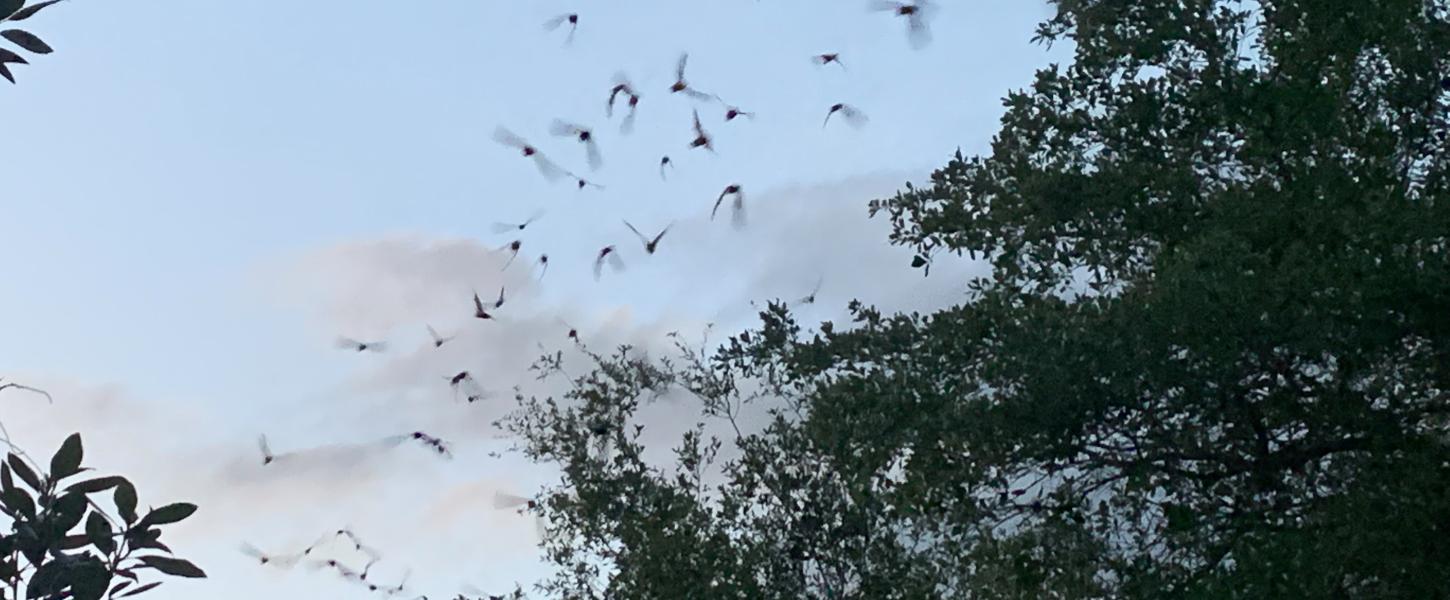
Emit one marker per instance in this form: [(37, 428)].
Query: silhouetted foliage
[(62, 544), (1212, 358), (13, 11)]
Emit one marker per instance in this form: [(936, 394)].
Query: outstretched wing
[(555, 22), (591, 153), (662, 234), (547, 168), (564, 128), (503, 501), (508, 138), (642, 239)]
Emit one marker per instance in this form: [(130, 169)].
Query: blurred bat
[(438, 340), (505, 501), (547, 168), (506, 227), (915, 13), (394, 590), (607, 254), (573, 331), (478, 310), (347, 343), (828, 58), (853, 116), (282, 561), (513, 248), (731, 112), (665, 162), (583, 183), (701, 137), (680, 85), (543, 262), (342, 570), (649, 244), (267, 456), (472, 391), (622, 85), (563, 128), (811, 297), (438, 446), (499, 303), (737, 205), (572, 19)]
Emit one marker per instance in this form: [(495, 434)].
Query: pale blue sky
[(170, 158)]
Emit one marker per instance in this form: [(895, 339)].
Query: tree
[(62, 544), (14, 11), (1212, 358)]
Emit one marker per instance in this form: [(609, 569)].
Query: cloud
[(419, 509)]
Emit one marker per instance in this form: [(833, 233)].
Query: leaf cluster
[(62, 544), (15, 11)]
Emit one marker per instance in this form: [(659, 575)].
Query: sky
[(199, 197)]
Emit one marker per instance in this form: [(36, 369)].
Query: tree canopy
[(1211, 360)]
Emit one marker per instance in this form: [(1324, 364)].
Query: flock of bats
[(624, 97)]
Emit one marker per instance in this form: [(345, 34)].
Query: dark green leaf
[(67, 512), (47, 581), (17, 464), (121, 586), (172, 566), (8, 7), (7, 56), (170, 513), (125, 498), (19, 501), (5, 72), (149, 586), (98, 484), (152, 543), (89, 579), (99, 531), (29, 11), (72, 542), (26, 40), (6, 481), (67, 460)]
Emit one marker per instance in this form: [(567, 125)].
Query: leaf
[(170, 513), (18, 501), (8, 7), (26, 40), (16, 464), (67, 460), (125, 498), (47, 581), (67, 512), (98, 530), (153, 544), (149, 586), (5, 72), (7, 56), (173, 566), (99, 484), (120, 586), (30, 11), (7, 483), (72, 542)]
